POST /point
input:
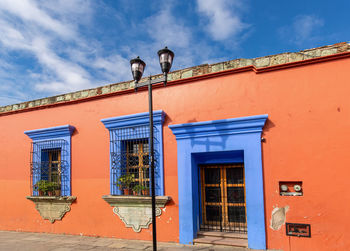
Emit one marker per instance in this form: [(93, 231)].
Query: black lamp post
[(166, 57)]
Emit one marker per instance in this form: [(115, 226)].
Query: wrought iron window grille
[(130, 160), (49, 168)]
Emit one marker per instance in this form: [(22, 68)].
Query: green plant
[(57, 186), (141, 189), (138, 188), (45, 186), (145, 191), (51, 186), (125, 181), (42, 186)]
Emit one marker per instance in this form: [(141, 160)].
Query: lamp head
[(137, 68), (166, 57)]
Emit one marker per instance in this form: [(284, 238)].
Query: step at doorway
[(222, 238)]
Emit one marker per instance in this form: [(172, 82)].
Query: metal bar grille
[(130, 161), (48, 168), (223, 198)]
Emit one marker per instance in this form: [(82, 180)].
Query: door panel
[(223, 198)]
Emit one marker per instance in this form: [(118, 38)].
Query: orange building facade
[(274, 130)]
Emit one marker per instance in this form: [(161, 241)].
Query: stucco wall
[(306, 135)]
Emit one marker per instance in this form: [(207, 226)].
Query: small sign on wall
[(291, 188), (298, 229)]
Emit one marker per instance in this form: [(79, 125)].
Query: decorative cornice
[(219, 127), (135, 211), (133, 120), (52, 132), (52, 208)]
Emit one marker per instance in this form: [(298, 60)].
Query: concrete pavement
[(57, 242)]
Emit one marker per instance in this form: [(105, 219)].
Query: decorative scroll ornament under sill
[(135, 211), (52, 208)]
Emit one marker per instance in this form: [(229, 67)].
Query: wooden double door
[(223, 202)]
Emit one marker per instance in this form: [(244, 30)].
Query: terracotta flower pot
[(127, 191)]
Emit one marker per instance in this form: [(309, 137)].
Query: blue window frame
[(51, 158), (133, 131)]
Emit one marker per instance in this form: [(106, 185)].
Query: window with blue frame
[(50, 165), (129, 154), (130, 166)]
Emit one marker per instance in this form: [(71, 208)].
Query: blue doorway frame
[(220, 141)]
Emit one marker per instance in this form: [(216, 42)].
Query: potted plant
[(45, 187), (125, 183), (51, 188), (141, 189), (42, 187), (137, 189), (145, 191), (57, 189)]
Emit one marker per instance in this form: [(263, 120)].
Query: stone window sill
[(117, 200), (135, 211), (52, 208)]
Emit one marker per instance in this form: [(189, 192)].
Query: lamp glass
[(166, 57), (137, 68)]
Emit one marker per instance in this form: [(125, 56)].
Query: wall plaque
[(298, 229)]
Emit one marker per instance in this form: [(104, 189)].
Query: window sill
[(136, 211), (117, 200), (52, 208)]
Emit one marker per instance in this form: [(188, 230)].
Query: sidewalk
[(39, 242)]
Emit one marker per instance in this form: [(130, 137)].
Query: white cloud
[(26, 27), (303, 29), (28, 11), (68, 9), (223, 18), (165, 29), (9, 100), (11, 37), (9, 94), (305, 25), (73, 76), (63, 58), (113, 66)]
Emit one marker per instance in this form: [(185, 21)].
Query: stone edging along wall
[(261, 62)]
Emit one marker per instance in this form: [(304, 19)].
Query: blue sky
[(50, 47)]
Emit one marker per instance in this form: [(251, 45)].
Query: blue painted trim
[(219, 127), (221, 157), (133, 120), (59, 132), (50, 133), (219, 142), (139, 120)]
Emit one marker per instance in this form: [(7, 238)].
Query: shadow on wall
[(218, 143)]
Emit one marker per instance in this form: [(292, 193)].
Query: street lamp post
[(166, 57)]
